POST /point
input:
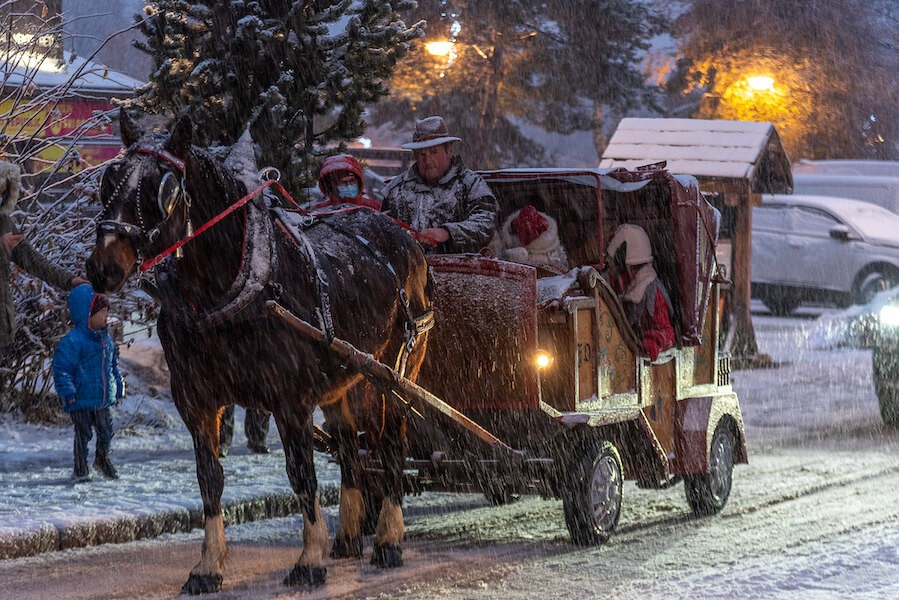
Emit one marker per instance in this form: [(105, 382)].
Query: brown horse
[(355, 274)]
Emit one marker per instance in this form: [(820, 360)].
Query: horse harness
[(295, 223), (171, 193), (259, 261)]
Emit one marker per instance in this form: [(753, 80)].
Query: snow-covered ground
[(820, 389), (152, 451)]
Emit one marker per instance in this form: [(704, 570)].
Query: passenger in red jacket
[(341, 181), (645, 299)]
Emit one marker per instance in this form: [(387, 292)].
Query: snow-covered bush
[(56, 209)]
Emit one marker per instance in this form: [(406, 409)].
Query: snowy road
[(814, 515), (809, 521)]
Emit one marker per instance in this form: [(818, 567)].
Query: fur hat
[(430, 131), (10, 183)]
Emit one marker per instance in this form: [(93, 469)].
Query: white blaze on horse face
[(134, 180), (108, 238)]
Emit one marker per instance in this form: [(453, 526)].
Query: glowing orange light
[(441, 48), (761, 83)]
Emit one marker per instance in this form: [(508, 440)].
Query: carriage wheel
[(592, 503), (707, 493)]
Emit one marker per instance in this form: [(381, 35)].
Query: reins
[(152, 262)]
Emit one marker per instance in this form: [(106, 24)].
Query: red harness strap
[(152, 262), (416, 235)]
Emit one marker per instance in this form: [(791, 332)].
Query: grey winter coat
[(461, 202), (24, 255)]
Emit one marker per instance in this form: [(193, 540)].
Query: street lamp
[(439, 48), (761, 83)]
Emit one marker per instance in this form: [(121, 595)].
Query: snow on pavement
[(152, 451), (815, 389)]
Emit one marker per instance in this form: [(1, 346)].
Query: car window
[(813, 221), (770, 218)]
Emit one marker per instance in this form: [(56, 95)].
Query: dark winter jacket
[(461, 202), (86, 362), (24, 255)]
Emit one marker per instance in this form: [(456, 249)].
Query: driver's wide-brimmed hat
[(430, 131)]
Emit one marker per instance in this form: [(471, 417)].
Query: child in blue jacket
[(87, 379)]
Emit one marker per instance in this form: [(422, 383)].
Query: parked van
[(871, 168), (880, 190)]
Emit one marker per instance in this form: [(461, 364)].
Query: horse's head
[(145, 206)]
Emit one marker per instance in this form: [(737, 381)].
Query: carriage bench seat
[(562, 297)]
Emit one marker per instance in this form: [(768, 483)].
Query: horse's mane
[(212, 171)]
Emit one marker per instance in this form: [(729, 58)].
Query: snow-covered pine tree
[(557, 64), (300, 73)]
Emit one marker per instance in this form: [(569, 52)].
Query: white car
[(821, 249)]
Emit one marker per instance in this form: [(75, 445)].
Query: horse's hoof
[(202, 584), (347, 547), (387, 556), (306, 575)]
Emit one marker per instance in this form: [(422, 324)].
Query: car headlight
[(889, 316)]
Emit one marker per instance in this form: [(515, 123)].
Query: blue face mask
[(348, 192)]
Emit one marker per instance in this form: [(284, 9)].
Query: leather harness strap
[(413, 327)]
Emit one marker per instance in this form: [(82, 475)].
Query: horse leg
[(342, 427), (206, 576), (388, 551), (296, 435)]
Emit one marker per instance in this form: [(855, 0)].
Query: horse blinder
[(169, 195)]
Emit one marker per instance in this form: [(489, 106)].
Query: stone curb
[(49, 538)]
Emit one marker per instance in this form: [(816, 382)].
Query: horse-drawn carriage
[(554, 392), (532, 382)]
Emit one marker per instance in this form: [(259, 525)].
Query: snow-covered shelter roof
[(88, 78), (722, 155)]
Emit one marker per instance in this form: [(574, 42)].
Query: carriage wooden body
[(602, 411)]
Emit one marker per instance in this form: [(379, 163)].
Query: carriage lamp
[(543, 360), (889, 316)]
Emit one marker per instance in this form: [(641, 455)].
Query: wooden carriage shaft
[(382, 373)]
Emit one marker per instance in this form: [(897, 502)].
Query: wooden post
[(743, 347)]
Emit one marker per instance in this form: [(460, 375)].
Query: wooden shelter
[(735, 162)]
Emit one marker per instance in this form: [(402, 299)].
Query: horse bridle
[(172, 193)]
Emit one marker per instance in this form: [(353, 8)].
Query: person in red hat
[(340, 180), (450, 206), (531, 237)]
